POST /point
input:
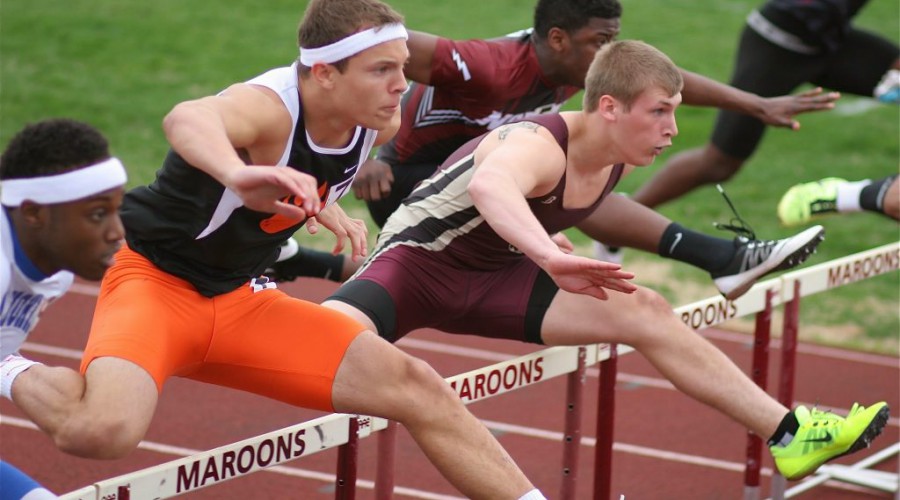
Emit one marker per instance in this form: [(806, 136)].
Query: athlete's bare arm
[(776, 111), (514, 162), (421, 54), (521, 160), (208, 133)]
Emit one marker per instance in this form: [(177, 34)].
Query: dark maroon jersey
[(439, 216), (477, 85)]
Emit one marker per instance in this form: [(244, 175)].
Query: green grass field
[(122, 65)]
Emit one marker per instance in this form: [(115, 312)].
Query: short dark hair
[(572, 15), (52, 146)]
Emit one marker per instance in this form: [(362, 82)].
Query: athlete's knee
[(722, 173), (719, 166), (100, 437), (420, 377), (422, 393), (654, 311), (651, 301)]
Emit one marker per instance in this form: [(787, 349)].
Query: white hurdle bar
[(227, 462), (245, 457)]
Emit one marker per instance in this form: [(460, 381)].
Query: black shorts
[(766, 69)]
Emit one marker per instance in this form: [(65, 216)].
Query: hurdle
[(231, 461), (238, 459)]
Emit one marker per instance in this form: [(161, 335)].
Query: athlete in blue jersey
[(473, 251), (16, 485), (60, 191)]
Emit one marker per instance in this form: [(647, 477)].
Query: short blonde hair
[(327, 21), (626, 68)]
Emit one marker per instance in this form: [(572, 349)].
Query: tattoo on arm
[(509, 128)]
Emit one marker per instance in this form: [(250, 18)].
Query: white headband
[(352, 45), (69, 186)]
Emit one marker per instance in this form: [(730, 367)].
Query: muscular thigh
[(277, 346), (577, 319), (766, 69), (149, 318)]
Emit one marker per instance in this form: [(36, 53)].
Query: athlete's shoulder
[(277, 78), (478, 62), (505, 49)]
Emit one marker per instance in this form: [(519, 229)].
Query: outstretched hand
[(780, 111), (344, 228), (586, 276), (262, 188)]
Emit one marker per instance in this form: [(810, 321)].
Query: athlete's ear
[(33, 214), (608, 107), (324, 74), (558, 39)]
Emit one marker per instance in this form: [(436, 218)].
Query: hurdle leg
[(605, 423), (572, 436), (384, 476), (788, 368), (345, 482), (760, 374)]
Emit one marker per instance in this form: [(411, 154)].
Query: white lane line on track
[(623, 447), (278, 469), (656, 383)]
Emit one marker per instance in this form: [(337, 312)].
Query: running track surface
[(667, 445)]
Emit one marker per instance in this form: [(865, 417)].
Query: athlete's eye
[(98, 215), (603, 40)]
